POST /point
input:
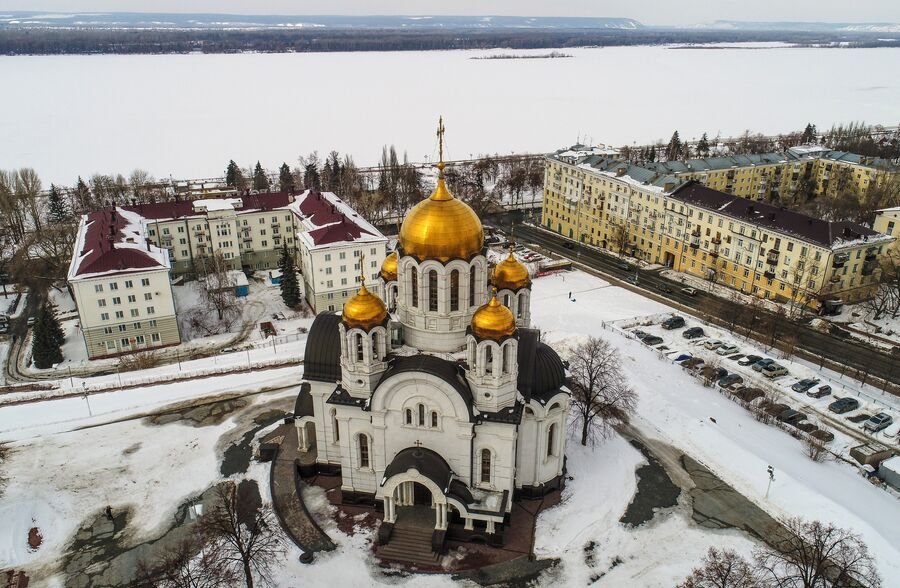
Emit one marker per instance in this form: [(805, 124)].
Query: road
[(18, 328), (851, 353)]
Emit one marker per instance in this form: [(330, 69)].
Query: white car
[(713, 344), (729, 349)]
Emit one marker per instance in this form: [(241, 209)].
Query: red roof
[(185, 208), (334, 225), (105, 246)]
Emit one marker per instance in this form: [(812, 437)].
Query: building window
[(334, 426), (472, 286), (421, 415), (117, 300), (485, 466), (139, 339), (104, 316), (454, 290), (101, 302), (120, 314), (131, 298), (136, 325), (134, 312), (432, 290), (129, 284), (363, 451), (98, 287), (124, 341), (488, 360), (414, 286), (551, 440), (153, 323), (151, 310), (409, 416), (122, 328), (148, 296), (434, 420), (113, 286)]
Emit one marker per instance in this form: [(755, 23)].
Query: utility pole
[(771, 472)]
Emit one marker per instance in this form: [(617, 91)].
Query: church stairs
[(410, 545)]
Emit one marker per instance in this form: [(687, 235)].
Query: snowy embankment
[(677, 409)]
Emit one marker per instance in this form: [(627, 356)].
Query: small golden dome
[(364, 311), (389, 268), (493, 320), (510, 274), (442, 228)]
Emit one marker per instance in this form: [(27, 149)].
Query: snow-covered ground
[(487, 104)]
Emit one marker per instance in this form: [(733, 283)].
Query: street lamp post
[(771, 472)]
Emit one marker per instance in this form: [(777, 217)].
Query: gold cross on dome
[(362, 269), (440, 136)]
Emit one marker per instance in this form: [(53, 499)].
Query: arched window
[(454, 290), (363, 451), (334, 426), (506, 301), (551, 440), (359, 347), (488, 360), (506, 358), (486, 466), (414, 286), (519, 305), (472, 286), (421, 415), (432, 290), (434, 420), (375, 354), (409, 416)]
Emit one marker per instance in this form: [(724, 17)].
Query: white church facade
[(441, 396)]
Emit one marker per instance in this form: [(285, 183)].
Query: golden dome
[(364, 311), (389, 268), (510, 274), (442, 228), (493, 320)]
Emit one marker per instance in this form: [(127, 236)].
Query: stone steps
[(410, 546)]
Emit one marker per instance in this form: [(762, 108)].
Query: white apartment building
[(120, 283), (332, 241)]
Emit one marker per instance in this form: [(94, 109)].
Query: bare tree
[(723, 569), (600, 393), (812, 554), (214, 273), (246, 533), (191, 563), (618, 235), (814, 448)]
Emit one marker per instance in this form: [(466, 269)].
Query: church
[(440, 398)]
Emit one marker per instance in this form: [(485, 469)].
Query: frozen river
[(187, 115)]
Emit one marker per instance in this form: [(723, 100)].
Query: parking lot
[(834, 410)]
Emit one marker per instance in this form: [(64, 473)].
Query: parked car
[(640, 334), (749, 360), (762, 363), (652, 340), (728, 349), (622, 265), (690, 291), (683, 357), (4, 327), (730, 380), (791, 416), (842, 405), (32, 320), (676, 322), (713, 344), (737, 357), (694, 363), (819, 392), (773, 370), (714, 373), (804, 385), (568, 245), (878, 422), (693, 333)]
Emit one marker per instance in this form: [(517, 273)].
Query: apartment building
[(771, 176), (749, 245), (248, 231), (887, 221), (335, 247), (120, 283)]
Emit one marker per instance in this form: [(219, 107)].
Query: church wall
[(500, 439), (328, 451), (538, 462)]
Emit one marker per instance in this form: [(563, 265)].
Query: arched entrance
[(413, 488)]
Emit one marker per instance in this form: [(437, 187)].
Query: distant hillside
[(139, 20), (823, 27)]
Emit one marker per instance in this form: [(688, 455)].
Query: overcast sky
[(653, 12)]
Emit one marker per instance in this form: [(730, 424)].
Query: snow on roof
[(327, 220), (113, 241), (892, 464), (212, 204)]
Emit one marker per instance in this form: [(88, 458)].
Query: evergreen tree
[(232, 173), (311, 178), (58, 209), (290, 287), (703, 145), (260, 179), (673, 150), (82, 195), (47, 338), (809, 134), (285, 178)]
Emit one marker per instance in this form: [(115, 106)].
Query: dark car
[(791, 416), (729, 380), (842, 405), (683, 357), (819, 392), (693, 333), (762, 363), (676, 322), (693, 363), (749, 360), (665, 288), (737, 357), (804, 385), (568, 245), (624, 266), (640, 334), (652, 340)]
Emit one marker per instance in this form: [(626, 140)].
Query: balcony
[(716, 240), (695, 243), (840, 259), (869, 267), (714, 254), (769, 274), (772, 256)]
